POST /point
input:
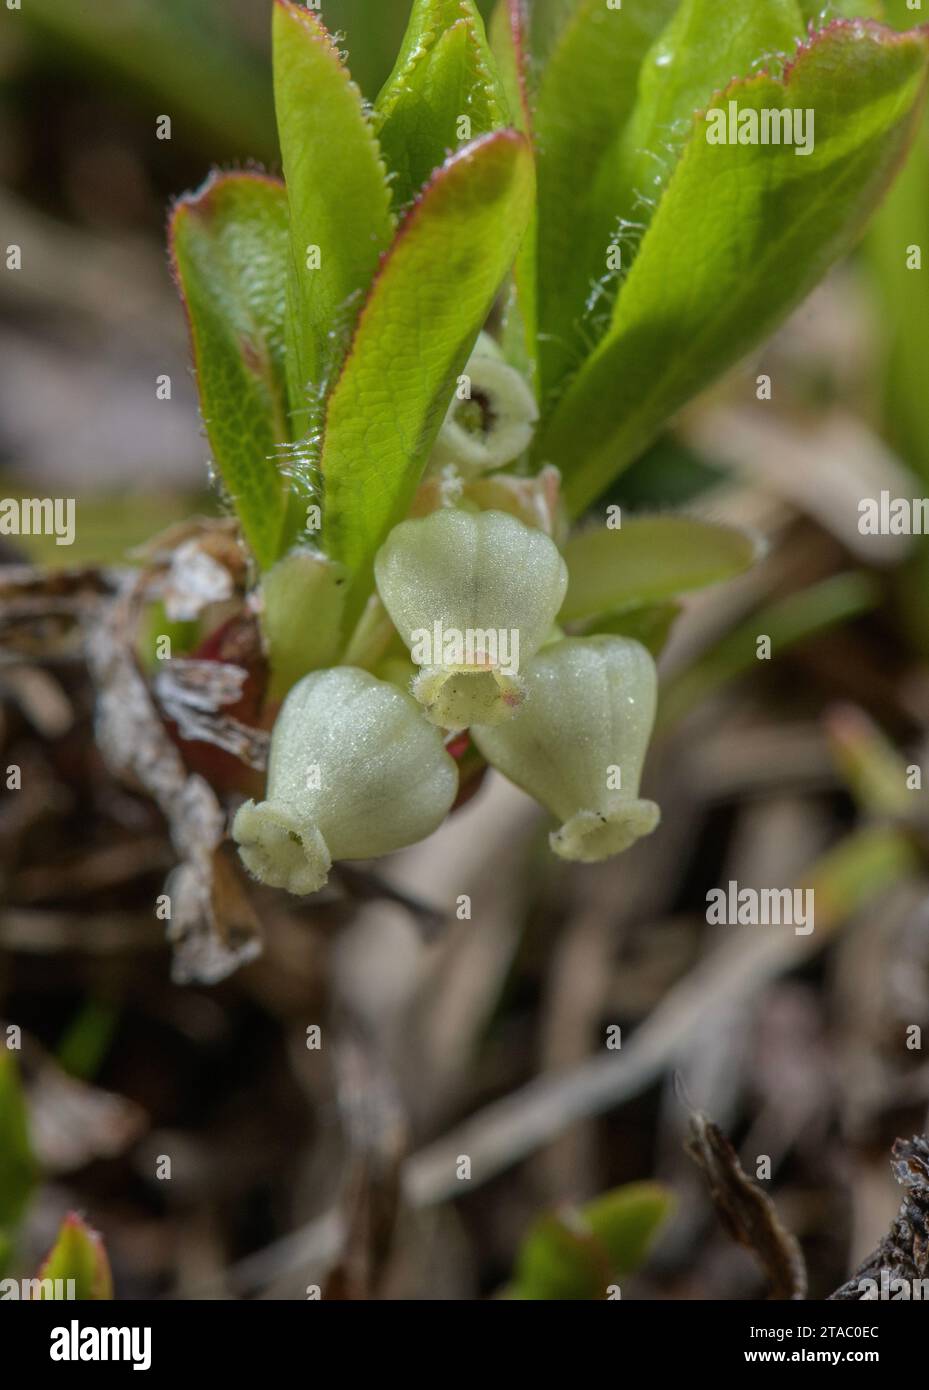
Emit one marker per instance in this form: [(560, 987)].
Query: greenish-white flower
[(491, 419), (578, 742), (354, 772), (473, 595)]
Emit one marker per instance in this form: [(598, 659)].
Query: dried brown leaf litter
[(904, 1251), (748, 1214)]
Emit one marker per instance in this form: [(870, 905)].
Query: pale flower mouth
[(589, 836), (493, 426), (457, 697), (281, 849)]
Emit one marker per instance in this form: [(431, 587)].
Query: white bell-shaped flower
[(355, 772), (473, 595), (578, 742), (491, 419)]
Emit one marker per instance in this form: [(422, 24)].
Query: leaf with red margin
[(78, 1254), (449, 74), (698, 51), (338, 195), (742, 234), (586, 96), (416, 330), (509, 41), (229, 247)]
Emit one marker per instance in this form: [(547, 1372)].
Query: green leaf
[(561, 1259), (18, 1167), (861, 869), (78, 1254), (373, 35), (822, 12), (627, 1220), (869, 764), (418, 113), (669, 476), (586, 95), (428, 21), (699, 52), (88, 1036), (898, 14), (548, 20), (154, 624), (420, 321), (510, 43), (340, 218), (762, 226), (229, 247), (648, 623), (577, 1254), (649, 559)]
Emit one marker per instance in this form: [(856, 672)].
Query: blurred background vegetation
[(788, 771)]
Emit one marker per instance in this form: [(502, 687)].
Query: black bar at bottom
[(262, 1339)]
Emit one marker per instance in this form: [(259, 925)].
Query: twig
[(748, 1214)]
